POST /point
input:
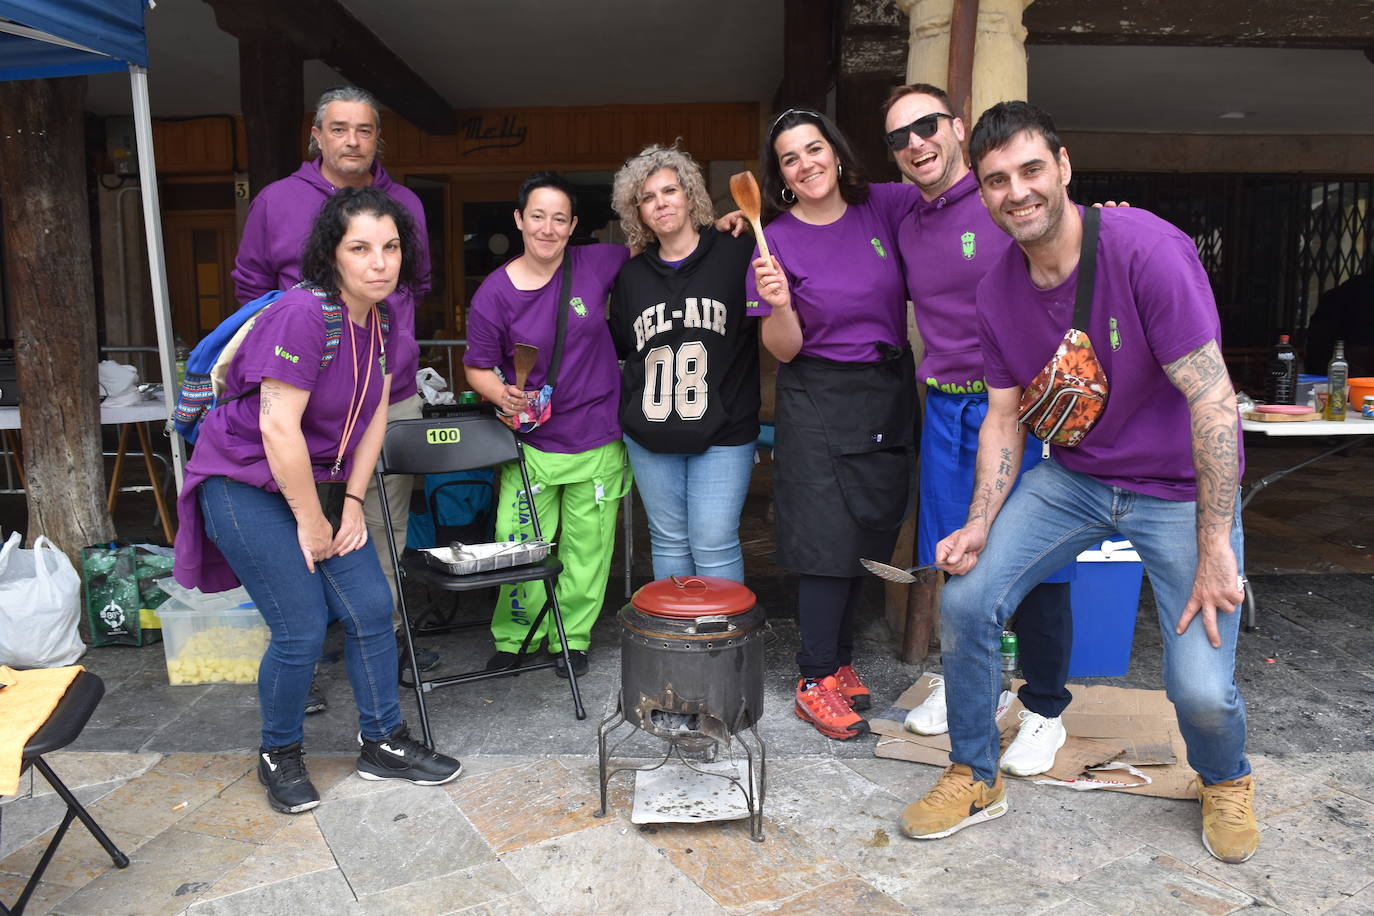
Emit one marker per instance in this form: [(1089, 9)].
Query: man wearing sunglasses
[(947, 246)]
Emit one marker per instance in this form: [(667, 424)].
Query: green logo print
[(1113, 335), (967, 241), (878, 247), (578, 306)]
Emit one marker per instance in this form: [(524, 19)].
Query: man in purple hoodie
[(344, 139)]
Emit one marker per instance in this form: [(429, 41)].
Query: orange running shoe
[(826, 708), (853, 689)]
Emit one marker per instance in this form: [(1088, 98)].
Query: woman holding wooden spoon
[(576, 459), (833, 307), (689, 402)]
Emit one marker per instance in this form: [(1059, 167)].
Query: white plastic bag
[(40, 606)]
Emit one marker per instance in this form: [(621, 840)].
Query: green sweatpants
[(576, 497)]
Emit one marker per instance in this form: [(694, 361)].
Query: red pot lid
[(685, 597)]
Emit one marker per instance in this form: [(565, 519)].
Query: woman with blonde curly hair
[(689, 399)]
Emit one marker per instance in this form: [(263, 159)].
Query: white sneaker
[(931, 717), (1033, 750)]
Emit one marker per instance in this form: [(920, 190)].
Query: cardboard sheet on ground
[(1105, 724)]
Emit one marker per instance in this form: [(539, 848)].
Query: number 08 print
[(675, 383)]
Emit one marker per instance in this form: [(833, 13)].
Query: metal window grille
[(1271, 244)]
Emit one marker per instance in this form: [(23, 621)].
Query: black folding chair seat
[(63, 727), (442, 445)]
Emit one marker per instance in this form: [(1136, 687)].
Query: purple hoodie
[(279, 221)]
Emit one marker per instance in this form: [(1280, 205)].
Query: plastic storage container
[(211, 639), (1105, 598)]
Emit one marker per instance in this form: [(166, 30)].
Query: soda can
[(1008, 651), (1367, 407)]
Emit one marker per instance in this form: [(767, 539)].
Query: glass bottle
[(1281, 374), (1337, 374)]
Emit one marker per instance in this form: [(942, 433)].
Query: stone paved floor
[(168, 771)]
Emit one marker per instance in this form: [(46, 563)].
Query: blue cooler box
[(1105, 597)]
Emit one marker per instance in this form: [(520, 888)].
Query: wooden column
[(52, 296), (272, 93)]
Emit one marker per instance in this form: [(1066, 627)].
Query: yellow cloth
[(26, 702)]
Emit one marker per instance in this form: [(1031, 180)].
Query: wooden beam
[(809, 59), (52, 295), (1226, 23), (326, 30), (963, 32), (271, 93)]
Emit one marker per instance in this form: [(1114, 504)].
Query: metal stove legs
[(754, 791)]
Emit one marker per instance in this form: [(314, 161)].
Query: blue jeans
[(1050, 517), (256, 532), (693, 503)]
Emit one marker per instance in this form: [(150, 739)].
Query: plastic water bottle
[(1281, 374), (182, 353)]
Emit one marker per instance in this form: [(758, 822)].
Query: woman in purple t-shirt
[(576, 460), (304, 415), (834, 315)]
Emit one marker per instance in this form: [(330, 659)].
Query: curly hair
[(320, 251), (629, 182), (853, 181)]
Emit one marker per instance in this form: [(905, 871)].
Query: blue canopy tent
[(50, 38)]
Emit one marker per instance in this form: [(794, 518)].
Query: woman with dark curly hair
[(689, 396), (833, 309), (273, 495)]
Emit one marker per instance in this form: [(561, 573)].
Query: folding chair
[(478, 529), (442, 445), (62, 728)]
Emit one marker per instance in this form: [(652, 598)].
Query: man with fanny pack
[(1160, 464), (947, 245)]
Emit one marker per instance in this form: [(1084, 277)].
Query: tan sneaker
[(1229, 829), (955, 802)]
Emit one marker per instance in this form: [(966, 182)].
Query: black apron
[(845, 474)]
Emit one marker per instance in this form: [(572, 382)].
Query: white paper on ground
[(678, 794)]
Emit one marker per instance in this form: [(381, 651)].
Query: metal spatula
[(894, 573)]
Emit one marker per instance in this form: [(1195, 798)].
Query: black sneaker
[(579, 663), (399, 756), (500, 661), (282, 770), (314, 698), (428, 659)]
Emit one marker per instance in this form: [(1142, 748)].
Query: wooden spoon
[(525, 356), (745, 190)]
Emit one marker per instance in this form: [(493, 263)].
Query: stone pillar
[(999, 74), (999, 63)]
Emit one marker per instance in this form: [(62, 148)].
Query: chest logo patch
[(1113, 334), (578, 306), (967, 241), (878, 247)]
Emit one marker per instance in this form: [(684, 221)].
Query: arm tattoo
[(269, 396), (1202, 378)]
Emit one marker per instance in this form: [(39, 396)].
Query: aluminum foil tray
[(476, 558)]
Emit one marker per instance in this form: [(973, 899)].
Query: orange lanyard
[(355, 406)]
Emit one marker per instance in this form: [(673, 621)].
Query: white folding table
[(1357, 429), (136, 416)]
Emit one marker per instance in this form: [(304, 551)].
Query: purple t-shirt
[(1152, 304), (286, 344), (586, 397), (846, 276), (947, 247), (278, 224)]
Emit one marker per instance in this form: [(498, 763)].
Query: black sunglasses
[(923, 127)]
